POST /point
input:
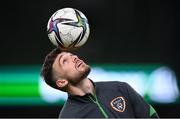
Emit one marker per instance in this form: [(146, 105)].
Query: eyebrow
[(60, 58)]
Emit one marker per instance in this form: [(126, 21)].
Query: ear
[(61, 83)]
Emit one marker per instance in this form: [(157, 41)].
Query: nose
[(75, 57)]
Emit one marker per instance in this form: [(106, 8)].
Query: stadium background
[(122, 32)]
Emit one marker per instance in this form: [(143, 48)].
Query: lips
[(78, 63)]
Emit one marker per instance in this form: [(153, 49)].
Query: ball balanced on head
[(68, 29)]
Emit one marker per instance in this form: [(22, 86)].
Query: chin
[(80, 76), (86, 72)]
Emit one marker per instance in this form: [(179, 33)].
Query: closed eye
[(64, 61)]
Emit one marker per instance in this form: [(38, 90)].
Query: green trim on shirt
[(152, 111)]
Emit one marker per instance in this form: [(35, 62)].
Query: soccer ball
[(68, 29)]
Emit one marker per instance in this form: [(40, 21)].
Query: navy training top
[(112, 99)]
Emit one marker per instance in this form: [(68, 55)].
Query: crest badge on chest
[(118, 104)]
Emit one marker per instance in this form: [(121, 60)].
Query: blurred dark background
[(122, 31)]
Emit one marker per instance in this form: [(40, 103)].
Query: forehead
[(60, 56), (57, 59)]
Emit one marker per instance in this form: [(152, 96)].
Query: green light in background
[(19, 81), (19, 85), (22, 85)]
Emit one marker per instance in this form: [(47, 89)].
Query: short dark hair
[(46, 70)]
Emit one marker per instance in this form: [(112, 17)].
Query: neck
[(83, 87)]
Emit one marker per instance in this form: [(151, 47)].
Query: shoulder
[(112, 85), (67, 110)]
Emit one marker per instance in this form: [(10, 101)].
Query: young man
[(87, 99)]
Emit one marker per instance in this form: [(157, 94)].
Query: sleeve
[(141, 108)]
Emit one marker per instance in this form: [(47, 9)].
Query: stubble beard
[(81, 76)]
